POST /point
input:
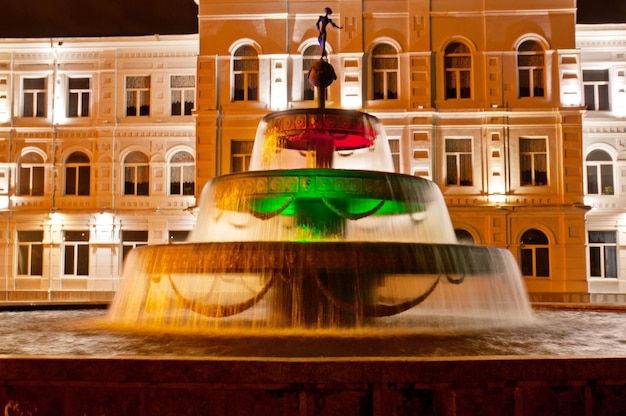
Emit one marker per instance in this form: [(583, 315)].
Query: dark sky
[(67, 18)]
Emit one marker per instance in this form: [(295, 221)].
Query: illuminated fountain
[(320, 233)]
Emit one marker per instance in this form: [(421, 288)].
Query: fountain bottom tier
[(320, 284)]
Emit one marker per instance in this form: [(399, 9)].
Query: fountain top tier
[(322, 138)]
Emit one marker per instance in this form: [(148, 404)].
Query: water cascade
[(321, 233)]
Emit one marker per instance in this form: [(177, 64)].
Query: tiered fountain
[(320, 232)]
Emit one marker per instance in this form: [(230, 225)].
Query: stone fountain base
[(359, 386)]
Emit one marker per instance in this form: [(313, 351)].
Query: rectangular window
[(136, 180), (178, 236), (76, 253), (459, 162), (138, 96), (603, 254), (79, 91), (182, 180), (132, 239), (35, 102), (183, 94), (394, 146), (31, 181), (596, 89), (533, 162), (77, 180), (30, 253), (240, 152)]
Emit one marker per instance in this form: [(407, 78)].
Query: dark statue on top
[(321, 24)]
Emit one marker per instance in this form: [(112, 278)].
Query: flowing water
[(87, 333), (321, 234)]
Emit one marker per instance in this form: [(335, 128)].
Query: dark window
[(530, 67), (245, 74), (535, 254), (77, 174), (30, 253), (384, 72), (533, 162), (603, 254), (596, 89), (458, 71)]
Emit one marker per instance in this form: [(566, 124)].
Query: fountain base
[(314, 284)]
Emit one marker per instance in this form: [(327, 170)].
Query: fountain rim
[(318, 110)]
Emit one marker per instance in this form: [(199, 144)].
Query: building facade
[(603, 64), (97, 156), (105, 144)]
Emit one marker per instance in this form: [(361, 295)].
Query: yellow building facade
[(482, 98)]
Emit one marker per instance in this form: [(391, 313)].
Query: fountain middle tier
[(322, 204)]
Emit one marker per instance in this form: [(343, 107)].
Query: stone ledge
[(455, 386)]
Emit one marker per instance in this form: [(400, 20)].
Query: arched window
[(464, 236), (31, 175), (384, 72), (599, 166), (458, 71), (309, 55), (535, 254), (531, 69), (77, 174), (182, 176), (245, 74), (136, 174)]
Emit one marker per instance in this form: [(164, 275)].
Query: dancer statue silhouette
[(321, 24)]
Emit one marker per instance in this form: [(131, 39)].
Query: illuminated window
[(533, 162), (245, 74), (78, 97), (183, 94), (35, 97), (76, 253), (603, 254), (136, 174), (30, 253), (182, 174), (599, 166), (535, 254), (384, 72), (132, 239), (458, 71), (77, 174), (459, 162), (31, 175), (596, 87), (531, 69), (138, 96), (240, 152)]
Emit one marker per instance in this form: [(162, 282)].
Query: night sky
[(67, 18)]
